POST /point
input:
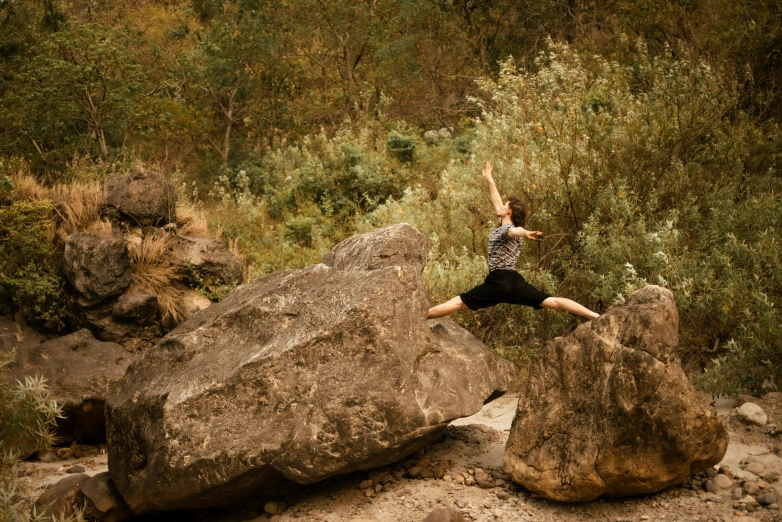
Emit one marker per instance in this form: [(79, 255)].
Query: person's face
[(504, 210)]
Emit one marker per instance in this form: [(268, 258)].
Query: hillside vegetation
[(643, 135)]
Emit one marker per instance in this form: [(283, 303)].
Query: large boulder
[(97, 266), (397, 245), (302, 375), (80, 372), (206, 261), (143, 198), (608, 410)]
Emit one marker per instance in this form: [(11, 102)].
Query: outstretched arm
[(526, 234), (496, 200)]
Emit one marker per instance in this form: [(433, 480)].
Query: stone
[(191, 302), (139, 307), (397, 245), (711, 472), (104, 501), (756, 468), (206, 261), (766, 499), (415, 471), (80, 372), (736, 493), (144, 198), (97, 266), (64, 453), (751, 488), (365, 484), (47, 456), (274, 507), (302, 375), (59, 498), (75, 469), (751, 413), (608, 410), (712, 487), (432, 136), (728, 472), (745, 519), (445, 514), (722, 481)]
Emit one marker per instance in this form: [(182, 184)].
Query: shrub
[(28, 279)]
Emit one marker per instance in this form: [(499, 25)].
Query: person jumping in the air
[(504, 284)]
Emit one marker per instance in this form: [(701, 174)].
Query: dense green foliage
[(29, 280), (646, 145)]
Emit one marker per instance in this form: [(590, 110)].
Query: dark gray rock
[(397, 245), (302, 375), (207, 259), (80, 371), (139, 307), (609, 411), (97, 266), (58, 500), (143, 198)]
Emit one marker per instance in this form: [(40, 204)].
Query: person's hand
[(536, 235), (487, 171)]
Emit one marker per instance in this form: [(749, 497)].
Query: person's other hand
[(535, 235)]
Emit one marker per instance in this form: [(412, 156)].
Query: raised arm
[(496, 200), (526, 234)]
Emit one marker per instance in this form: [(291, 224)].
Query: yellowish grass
[(77, 204), (191, 221), (101, 227), (152, 273)]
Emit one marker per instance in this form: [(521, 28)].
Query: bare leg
[(446, 308), (563, 303)]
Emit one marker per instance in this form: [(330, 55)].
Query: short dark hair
[(519, 211)]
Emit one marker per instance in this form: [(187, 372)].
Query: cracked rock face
[(608, 410), (299, 376)]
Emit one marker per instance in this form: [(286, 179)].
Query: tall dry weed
[(190, 220)]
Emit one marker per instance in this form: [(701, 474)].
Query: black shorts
[(503, 286)]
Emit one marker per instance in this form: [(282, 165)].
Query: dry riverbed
[(464, 470)]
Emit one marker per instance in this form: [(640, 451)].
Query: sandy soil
[(479, 442)]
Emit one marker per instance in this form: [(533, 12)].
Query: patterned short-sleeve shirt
[(503, 250)]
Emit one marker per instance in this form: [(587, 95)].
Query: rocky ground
[(464, 471)]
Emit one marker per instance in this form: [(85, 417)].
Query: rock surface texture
[(302, 375), (97, 266), (143, 198), (397, 245), (608, 410), (80, 371)]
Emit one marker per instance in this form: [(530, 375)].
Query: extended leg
[(563, 303), (446, 308)]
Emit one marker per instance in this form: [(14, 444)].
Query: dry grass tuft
[(190, 220), (101, 227), (152, 273), (77, 204)]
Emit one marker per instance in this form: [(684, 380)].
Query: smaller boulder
[(139, 307), (58, 500), (751, 413), (722, 482), (103, 500), (397, 245), (143, 198), (97, 266), (208, 260)]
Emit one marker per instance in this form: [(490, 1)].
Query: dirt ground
[(479, 442)]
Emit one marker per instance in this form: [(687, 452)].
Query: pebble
[(727, 472), (503, 495), (415, 471), (766, 499), (736, 493), (711, 473), (75, 469), (64, 453), (47, 456), (751, 488), (756, 468), (369, 492), (366, 484), (722, 481)]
